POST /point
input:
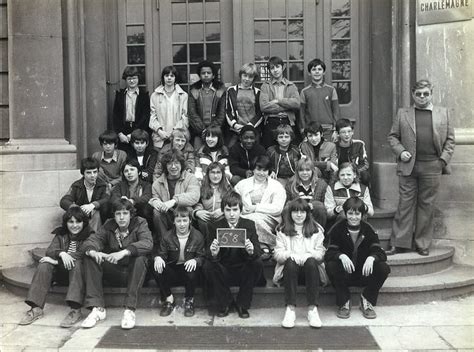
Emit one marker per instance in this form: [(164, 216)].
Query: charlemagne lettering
[(443, 5)]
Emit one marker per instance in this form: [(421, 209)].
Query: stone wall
[(3, 70)]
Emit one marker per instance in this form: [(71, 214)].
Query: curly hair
[(172, 155)]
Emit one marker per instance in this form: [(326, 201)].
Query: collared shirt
[(130, 101), (120, 236), (279, 88), (429, 107), (207, 96), (109, 160)]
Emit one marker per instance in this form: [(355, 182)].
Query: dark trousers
[(221, 277), (307, 274), (319, 212), (270, 125), (341, 281), (44, 276), (175, 275), (129, 272), (162, 223)]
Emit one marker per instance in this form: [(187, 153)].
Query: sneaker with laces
[(313, 318), (367, 309), (128, 319), (289, 319), (94, 316), (32, 315), (72, 318), (188, 307), (344, 311), (167, 309)]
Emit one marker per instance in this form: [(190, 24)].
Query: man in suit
[(422, 140), (233, 266)]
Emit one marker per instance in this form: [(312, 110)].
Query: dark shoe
[(367, 309), (71, 319), (423, 252), (223, 312), (188, 308), (243, 313), (395, 250), (32, 315), (344, 311), (166, 309)]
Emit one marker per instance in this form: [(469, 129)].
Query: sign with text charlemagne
[(440, 11), (231, 237)]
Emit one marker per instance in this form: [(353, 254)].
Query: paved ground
[(445, 325)]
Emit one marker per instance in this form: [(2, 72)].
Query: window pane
[(263, 72), (213, 31), (341, 28), (296, 72), (135, 11), (340, 8), (341, 70), (178, 11), (262, 51), (196, 32), (213, 52), (183, 73), (193, 76), (295, 8), (135, 55), (135, 35), (179, 32), (341, 49), (295, 51), (278, 30), (343, 92), (195, 10), (141, 75), (278, 8), (279, 49), (261, 9), (261, 30), (196, 52), (179, 53), (295, 29), (212, 9)]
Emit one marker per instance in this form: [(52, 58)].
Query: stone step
[(382, 218), (404, 264), (454, 281)]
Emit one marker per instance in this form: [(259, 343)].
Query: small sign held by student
[(234, 238)]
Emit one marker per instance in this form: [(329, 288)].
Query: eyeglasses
[(422, 94), (132, 78)]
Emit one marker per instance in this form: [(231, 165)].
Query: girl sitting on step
[(62, 263)]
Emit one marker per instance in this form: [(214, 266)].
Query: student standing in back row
[(279, 101), (319, 101)]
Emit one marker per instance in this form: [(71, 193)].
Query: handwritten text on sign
[(231, 237)]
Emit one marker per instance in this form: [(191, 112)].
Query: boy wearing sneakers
[(319, 101)]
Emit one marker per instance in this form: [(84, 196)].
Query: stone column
[(36, 89)]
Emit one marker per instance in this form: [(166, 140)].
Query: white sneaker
[(313, 318), (94, 316), (128, 319), (289, 318)]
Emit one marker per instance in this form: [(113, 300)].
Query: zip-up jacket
[(62, 239), (186, 192), (123, 189), (77, 195), (327, 152), (242, 160), (150, 157), (337, 194), (169, 247), (232, 114), (357, 154), (284, 163)]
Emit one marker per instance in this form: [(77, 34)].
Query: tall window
[(196, 35), (135, 34), (279, 32), (341, 49)]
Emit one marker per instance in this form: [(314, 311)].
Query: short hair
[(353, 166), (209, 64), (249, 69), (130, 71), (214, 130), (168, 70), (248, 128), (232, 199), (284, 128), (316, 62), (313, 127), (130, 162), (180, 132), (89, 163), (123, 204), (76, 212), (139, 135), (274, 61), (183, 211), (263, 162), (108, 136), (171, 155), (356, 204), (422, 83), (342, 123)]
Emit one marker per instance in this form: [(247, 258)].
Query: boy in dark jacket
[(142, 152), (178, 259), (89, 193), (355, 258), (243, 154)]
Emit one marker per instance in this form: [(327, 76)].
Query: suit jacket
[(402, 137), (142, 112)]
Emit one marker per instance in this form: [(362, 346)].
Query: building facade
[(61, 62)]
